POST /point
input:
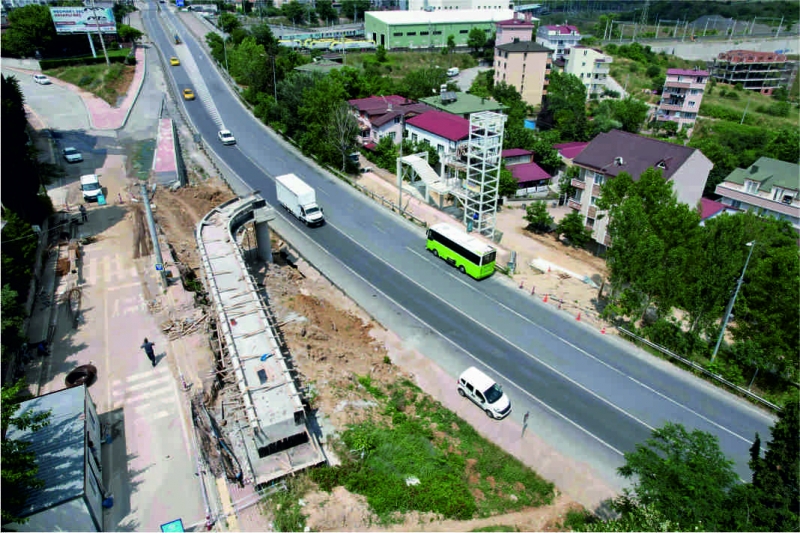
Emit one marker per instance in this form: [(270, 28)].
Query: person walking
[(148, 346), (84, 216)]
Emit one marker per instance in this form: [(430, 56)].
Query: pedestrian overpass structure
[(479, 161), (268, 428)]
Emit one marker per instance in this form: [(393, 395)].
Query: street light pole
[(752, 246), (225, 51)]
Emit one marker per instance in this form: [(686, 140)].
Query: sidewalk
[(102, 116)]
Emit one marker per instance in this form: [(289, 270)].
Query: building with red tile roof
[(439, 124)]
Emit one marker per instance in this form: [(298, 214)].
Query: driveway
[(467, 76)]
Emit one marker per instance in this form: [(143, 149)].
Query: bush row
[(47, 64)]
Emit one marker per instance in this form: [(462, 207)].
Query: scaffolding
[(482, 183)]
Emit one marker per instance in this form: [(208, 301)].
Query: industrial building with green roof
[(429, 29), (462, 104)]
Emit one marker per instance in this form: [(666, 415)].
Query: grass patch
[(399, 64), (284, 505), (461, 475), (106, 82), (720, 97), (577, 520)]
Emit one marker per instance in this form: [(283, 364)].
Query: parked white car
[(484, 392), (226, 137), (72, 155), (41, 79)]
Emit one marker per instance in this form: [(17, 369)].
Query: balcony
[(596, 190), (574, 204), (677, 85), (592, 212), (577, 183), (607, 240), (670, 107)]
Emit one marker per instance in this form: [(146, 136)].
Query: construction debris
[(175, 329)]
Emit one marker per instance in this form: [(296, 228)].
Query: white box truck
[(299, 199)]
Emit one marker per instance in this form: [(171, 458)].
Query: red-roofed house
[(558, 38), (682, 96), (569, 151), (444, 131), (381, 116), (532, 179), (710, 209)]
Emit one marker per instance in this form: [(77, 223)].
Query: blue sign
[(175, 525), (179, 3), (159, 266)]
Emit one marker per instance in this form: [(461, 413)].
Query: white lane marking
[(377, 227), (474, 358)]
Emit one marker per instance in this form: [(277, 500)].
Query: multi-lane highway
[(581, 386)]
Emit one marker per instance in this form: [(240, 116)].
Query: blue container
[(530, 124)]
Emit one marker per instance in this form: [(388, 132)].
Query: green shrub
[(653, 71), (49, 64)]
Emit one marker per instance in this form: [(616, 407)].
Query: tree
[(294, 11), (537, 217), (476, 40), (572, 228), (326, 11), (30, 29), (543, 152), (775, 486), (631, 113), (128, 33), (451, 44), (342, 131), (422, 82), (683, 476), (263, 36), (565, 187), (380, 54), (564, 108), (509, 185), (355, 9), (19, 468), (228, 22)]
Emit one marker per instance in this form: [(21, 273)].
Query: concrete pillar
[(261, 222)]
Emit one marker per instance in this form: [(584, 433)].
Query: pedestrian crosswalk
[(149, 394), (200, 87), (111, 269)]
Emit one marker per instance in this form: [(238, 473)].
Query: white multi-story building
[(558, 38), (768, 187), (437, 5), (591, 66)]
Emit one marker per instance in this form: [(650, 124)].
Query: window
[(411, 34), (397, 34), (590, 222), (583, 64), (391, 135), (397, 120), (593, 201), (414, 137), (751, 187), (599, 179), (437, 32), (691, 103), (440, 148), (463, 31), (423, 33)]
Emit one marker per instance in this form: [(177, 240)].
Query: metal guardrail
[(702, 370)]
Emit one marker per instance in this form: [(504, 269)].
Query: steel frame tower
[(483, 171)]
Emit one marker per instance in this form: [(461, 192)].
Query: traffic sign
[(159, 266), (175, 525)]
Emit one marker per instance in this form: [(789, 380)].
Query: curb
[(138, 89)]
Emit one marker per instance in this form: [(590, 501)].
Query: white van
[(485, 392), (90, 185), (452, 72)]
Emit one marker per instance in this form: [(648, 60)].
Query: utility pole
[(779, 28), (274, 81), (103, 43), (658, 25), (752, 246), (733, 29), (745, 109), (752, 25), (151, 223), (685, 27), (704, 29)]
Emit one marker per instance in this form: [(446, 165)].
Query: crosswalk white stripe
[(148, 374), (148, 407), (159, 391), (141, 386)]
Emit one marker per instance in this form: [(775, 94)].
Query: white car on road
[(72, 155), (226, 137), (41, 79)]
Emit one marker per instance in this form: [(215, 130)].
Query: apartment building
[(437, 5), (612, 153), (516, 29), (591, 66), (756, 71), (525, 65), (558, 38), (768, 187), (682, 95)]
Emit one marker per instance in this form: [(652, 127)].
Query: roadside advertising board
[(83, 19)]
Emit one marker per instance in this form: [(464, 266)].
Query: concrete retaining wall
[(709, 50)]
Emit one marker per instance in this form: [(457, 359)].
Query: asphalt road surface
[(595, 395)]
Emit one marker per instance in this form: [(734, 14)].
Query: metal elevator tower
[(644, 12), (482, 185)]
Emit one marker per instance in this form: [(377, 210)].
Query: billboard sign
[(83, 19), (179, 3)]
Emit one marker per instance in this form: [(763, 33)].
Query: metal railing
[(707, 373)]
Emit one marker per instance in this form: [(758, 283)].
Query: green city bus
[(470, 255)]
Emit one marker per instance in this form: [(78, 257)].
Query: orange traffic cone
[(545, 298), (578, 318)]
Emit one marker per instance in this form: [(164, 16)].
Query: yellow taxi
[(188, 94), (174, 61)]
